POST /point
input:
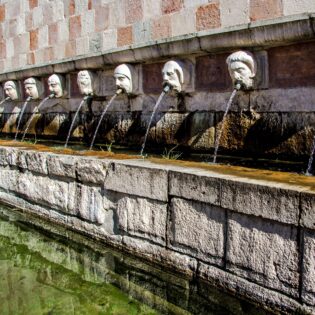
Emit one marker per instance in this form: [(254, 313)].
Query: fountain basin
[(250, 232)]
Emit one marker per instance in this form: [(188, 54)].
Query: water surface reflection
[(52, 270)]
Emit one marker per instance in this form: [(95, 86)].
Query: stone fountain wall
[(252, 237), (275, 119)]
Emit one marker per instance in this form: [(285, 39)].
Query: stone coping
[(254, 35)]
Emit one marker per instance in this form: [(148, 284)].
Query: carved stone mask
[(123, 78), (85, 82), (31, 88), (10, 90), (173, 75), (242, 69), (55, 85)]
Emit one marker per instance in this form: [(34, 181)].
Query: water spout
[(85, 98), (33, 114), (20, 118), (119, 91), (228, 105), (166, 89), (310, 161), (6, 99)]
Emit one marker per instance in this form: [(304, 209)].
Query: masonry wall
[(252, 237), (34, 32)]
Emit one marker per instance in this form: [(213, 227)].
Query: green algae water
[(51, 270)]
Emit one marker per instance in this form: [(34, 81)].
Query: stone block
[(9, 179), (152, 78), (297, 7), (280, 31), (64, 67), (198, 229), (44, 191), (124, 36), (252, 291), (101, 18), (3, 157), (212, 73), (91, 204), (109, 39), (141, 31), (88, 22), (308, 277), (270, 201), (74, 27), (298, 99), (92, 170), (143, 218), (161, 27), (133, 11), (62, 165), (196, 185), (160, 255), (268, 9), (34, 161), (183, 22), (232, 14), (208, 16), (263, 252), (236, 37), (303, 72), (308, 210), (136, 178)]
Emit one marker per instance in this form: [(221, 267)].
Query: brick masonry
[(84, 20)]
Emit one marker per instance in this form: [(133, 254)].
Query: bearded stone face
[(55, 86), (85, 82), (173, 75), (10, 90)]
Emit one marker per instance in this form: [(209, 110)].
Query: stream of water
[(20, 118), (33, 115), (310, 161), (166, 89), (100, 120), (74, 119), (218, 138)]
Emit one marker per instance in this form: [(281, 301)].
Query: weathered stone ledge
[(253, 237)]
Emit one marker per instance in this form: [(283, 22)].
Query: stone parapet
[(253, 237)]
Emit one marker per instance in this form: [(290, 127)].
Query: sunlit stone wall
[(35, 32)]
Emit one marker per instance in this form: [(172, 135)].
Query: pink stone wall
[(35, 32)]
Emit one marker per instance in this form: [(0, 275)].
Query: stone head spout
[(123, 79), (31, 88), (56, 85), (173, 76), (10, 90), (84, 80), (242, 69)]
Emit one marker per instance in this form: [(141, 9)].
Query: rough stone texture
[(271, 202), (124, 36), (232, 14), (265, 253), (143, 218), (195, 185), (308, 280), (92, 170), (160, 254), (198, 230), (134, 179), (241, 287), (62, 165), (43, 191), (265, 9), (308, 210), (208, 16)]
